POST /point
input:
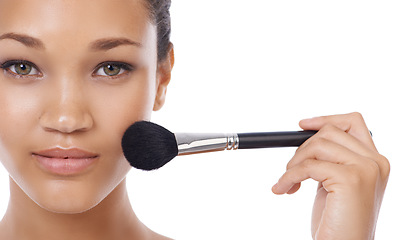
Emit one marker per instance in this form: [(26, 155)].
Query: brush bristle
[(148, 146)]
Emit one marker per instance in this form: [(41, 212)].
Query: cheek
[(19, 115), (120, 106), (19, 108)]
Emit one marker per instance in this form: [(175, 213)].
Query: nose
[(66, 110)]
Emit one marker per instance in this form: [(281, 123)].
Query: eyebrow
[(109, 43), (24, 39), (103, 44)]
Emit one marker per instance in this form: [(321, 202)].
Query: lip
[(60, 161)]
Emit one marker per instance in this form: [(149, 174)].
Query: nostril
[(66, 123)]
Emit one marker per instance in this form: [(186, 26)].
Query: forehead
[(74, 19)]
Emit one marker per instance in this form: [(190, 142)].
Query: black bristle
[(148, 146)]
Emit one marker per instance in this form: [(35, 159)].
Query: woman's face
[(75, 74)]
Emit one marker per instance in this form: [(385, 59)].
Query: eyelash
[(125, 68), (6, 66)]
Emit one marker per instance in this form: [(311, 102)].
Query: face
[(75, 74)]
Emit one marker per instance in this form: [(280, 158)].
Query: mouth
[(65, 162)]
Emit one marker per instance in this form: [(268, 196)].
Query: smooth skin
[(62, 96), (352, 177)]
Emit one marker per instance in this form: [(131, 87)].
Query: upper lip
[(66, 153)]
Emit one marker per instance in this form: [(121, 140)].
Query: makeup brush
[(149, 146)]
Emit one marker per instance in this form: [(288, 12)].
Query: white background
[(263, 65)]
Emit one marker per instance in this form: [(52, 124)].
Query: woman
[(76, 74)]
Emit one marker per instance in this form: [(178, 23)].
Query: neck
[(113, 218)]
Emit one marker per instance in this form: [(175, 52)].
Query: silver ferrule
[(189, 143)]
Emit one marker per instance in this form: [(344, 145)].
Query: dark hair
[(160, 16)]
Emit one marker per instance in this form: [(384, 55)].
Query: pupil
[(111, 70), (23, 67)]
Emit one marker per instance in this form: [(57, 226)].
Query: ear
[(163, 77)]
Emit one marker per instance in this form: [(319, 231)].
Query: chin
[(69, 204), (70, 194), (69, 197), (68, 208)]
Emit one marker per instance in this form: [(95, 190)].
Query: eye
[(20, 68), (112, 69)]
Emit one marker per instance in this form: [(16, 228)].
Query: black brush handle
[(273, 139)]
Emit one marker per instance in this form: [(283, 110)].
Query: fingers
[(320, 171), (294, 188), (325, 150), (352, 123), (342, 148), (333, 145), (348, 130), (352, 175)]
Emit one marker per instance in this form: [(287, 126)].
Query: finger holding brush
[(352, 177)]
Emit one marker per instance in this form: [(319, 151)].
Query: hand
[(352, 177)]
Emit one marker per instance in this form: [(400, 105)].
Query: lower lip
[(61, 166)]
